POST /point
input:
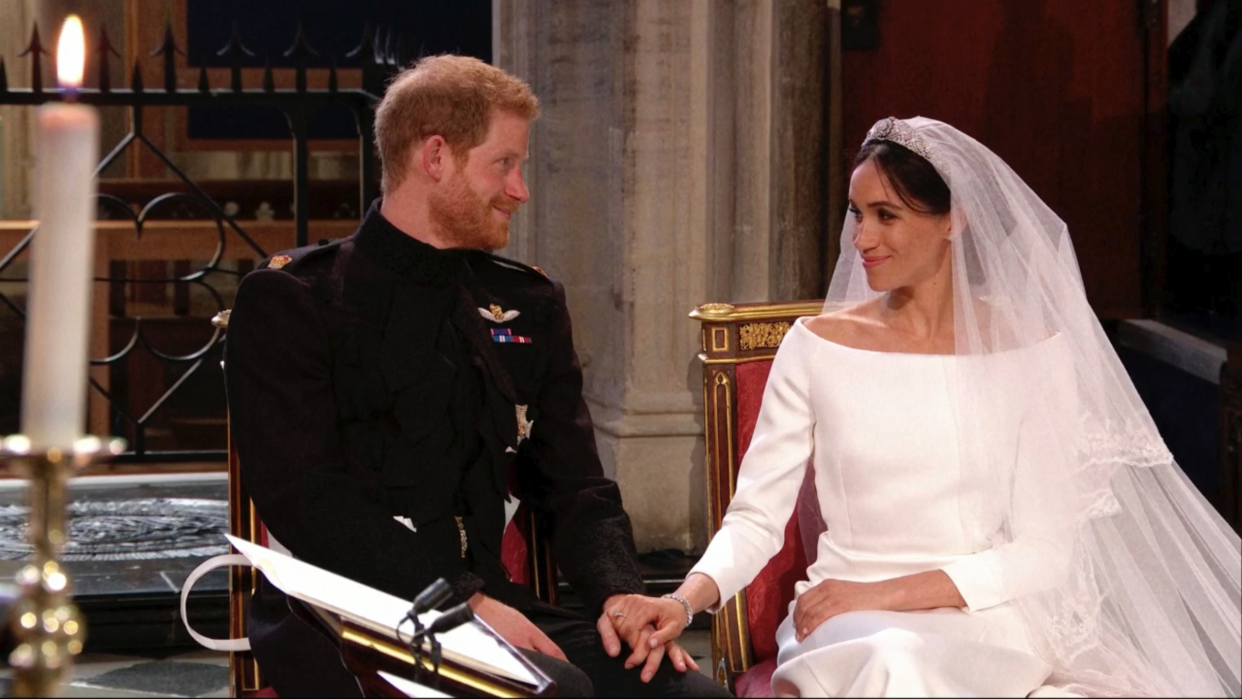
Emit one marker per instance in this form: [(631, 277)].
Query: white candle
[(54, 387)]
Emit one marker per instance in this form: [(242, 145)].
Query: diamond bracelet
[(684, 603)]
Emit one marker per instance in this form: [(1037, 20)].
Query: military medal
[(524, 426), (505, 335), (279, 261)]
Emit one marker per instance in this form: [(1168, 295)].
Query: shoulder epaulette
[(515, 265), (290, 260)]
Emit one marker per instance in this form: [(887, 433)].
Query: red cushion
[(757, 681), (513, 547), (266, 693), (768, 597), (751, 378)]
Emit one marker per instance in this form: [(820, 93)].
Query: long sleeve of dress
[(1036, 555), (753, 529)]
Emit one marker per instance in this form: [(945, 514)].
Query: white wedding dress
[(879, 431)]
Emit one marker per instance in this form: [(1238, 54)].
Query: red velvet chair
[(524, 552), (739, 342)]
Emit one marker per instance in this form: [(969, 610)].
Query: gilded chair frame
[(733, 334)]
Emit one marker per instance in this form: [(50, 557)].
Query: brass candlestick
[(46, 625)]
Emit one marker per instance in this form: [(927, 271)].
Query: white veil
[(1140, 594)]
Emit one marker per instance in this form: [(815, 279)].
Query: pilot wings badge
[(496, 314)]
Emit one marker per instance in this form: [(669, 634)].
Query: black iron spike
[(105, 71), (398, 54), (370, 54), (203, 85), (269, 85), (35, 49), (377, 47), (169, 48), (365, 47), (169, 43), (135, 80), (235, 50), (390, 57), (300, 49), (332, 82)]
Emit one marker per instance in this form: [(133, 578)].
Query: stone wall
[(680, 159)]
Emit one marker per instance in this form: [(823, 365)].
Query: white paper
[(379, 611), (411, 688)]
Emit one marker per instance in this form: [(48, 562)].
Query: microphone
[(451, 619), (432, 596)]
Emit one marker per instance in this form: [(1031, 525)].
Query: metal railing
[(379, 55)]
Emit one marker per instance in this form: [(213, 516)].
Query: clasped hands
[(651, 640), (648, 626)]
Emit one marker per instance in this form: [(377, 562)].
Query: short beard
[(465, 220)]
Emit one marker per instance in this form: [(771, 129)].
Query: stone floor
[(132, 542), (197, 674), (205, 673)]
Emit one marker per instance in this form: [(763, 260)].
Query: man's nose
[(515, 188)]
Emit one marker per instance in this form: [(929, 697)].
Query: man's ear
[(434, 156)]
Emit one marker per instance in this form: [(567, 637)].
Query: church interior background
[(689, 152)]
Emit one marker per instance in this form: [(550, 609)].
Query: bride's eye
[(886, 215), (855, 213)]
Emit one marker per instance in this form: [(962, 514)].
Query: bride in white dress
[(1002, 517)]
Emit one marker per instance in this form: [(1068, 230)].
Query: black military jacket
[(377, 377)]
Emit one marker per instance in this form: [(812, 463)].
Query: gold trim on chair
[(729, 313), (761, 335)]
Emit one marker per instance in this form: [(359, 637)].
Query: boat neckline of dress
[(801, 324)]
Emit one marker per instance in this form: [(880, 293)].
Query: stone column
[(680, 159)]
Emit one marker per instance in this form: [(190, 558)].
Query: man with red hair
[(384, 387)]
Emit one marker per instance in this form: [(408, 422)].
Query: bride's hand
[(634, 618), (830, 598)]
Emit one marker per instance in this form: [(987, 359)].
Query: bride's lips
[(869, 262)]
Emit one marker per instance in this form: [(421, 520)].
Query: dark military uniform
[(377, 378)]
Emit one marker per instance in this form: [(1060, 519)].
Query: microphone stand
[(433, 596)]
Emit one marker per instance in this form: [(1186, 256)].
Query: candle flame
[(71, 53)]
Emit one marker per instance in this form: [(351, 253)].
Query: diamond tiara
[(897, 131)]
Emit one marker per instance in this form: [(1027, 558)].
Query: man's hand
[(513, 627), (648, 626), (832, 597)]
